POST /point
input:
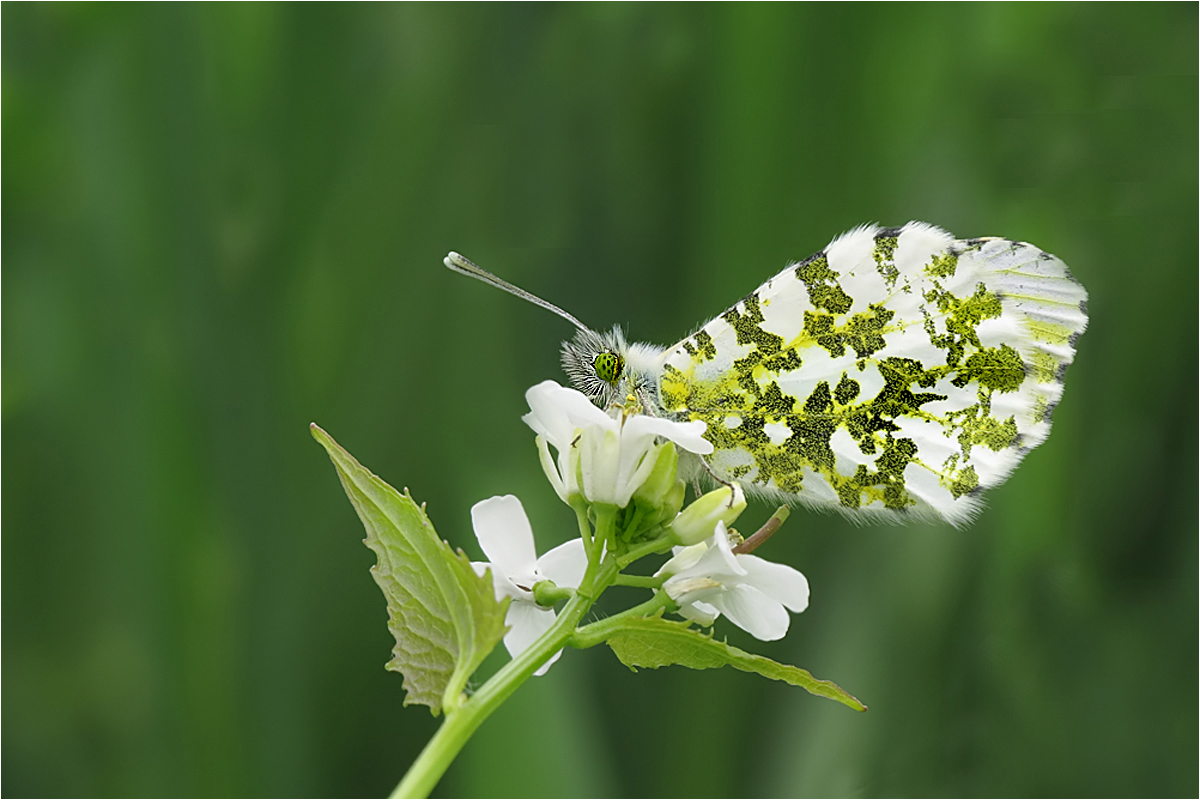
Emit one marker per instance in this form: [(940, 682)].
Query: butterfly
[(894, 375)]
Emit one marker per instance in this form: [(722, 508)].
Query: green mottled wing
[(897, 372)]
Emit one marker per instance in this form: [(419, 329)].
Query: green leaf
[(654, 642), (445, 618)]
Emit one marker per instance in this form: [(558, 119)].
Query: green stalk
[(640, 581), (463, 721), (599, 632), (643, 549), (585, 527), (445, 745), (606, 530)]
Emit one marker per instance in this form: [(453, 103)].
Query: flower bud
[(674, 500), (652, 494), (697, 521), (666, 511)]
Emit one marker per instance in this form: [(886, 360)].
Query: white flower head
[(708, 579), (603, 458), (506, 537)]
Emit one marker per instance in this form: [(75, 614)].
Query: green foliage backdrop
[(223, 222)]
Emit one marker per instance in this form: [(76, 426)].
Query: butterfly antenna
[(462, 264)]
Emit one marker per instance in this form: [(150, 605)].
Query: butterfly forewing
[(897, 372)]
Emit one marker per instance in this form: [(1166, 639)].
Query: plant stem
[(640, 581), (606, 528), (459, 724), (585, 528), (462, 722), (644, 549), (599, 632)]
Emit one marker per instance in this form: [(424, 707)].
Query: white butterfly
[(896, 374)]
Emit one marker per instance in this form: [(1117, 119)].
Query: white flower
[(603, 458), (506, 537), (708, 579)]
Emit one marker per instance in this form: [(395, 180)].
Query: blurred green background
[(223, 222)]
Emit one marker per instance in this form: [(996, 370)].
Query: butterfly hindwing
[(897, 371)]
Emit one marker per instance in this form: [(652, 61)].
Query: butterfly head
[(597, 364)]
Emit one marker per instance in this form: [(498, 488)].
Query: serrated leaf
[(445, 618), (654, 642)]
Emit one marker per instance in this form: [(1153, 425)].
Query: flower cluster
[(506, 538), (626, 462), (601, 458), (708, 579)]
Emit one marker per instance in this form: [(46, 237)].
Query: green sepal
[(654, 490), (445, 618), (653, 642), (547, 594)]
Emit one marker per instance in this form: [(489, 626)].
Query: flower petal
[(551, 469), (729, 559), (505, 535), (581, 410), (636, 459), (600, 452), (526, 623), (572, 471), (633, 472), (710, 564), (504, 587), (753, 612), (701, 613), (556, 411), (544, 667), (564, 564), (546, 415), (777, 581), (690, 590), (684, 558), (688, 435)]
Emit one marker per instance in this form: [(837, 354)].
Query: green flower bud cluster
[(659, 501), (661, 496)]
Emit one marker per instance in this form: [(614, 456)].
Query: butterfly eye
[(609, 367)]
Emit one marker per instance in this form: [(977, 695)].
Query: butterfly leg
[(715, 477)]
